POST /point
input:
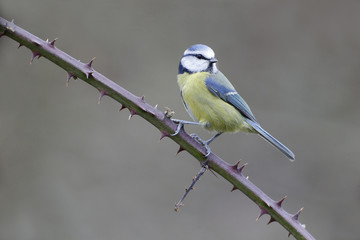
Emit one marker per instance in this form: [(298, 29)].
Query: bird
[(212, 101)]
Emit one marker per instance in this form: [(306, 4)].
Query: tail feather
[(272, 140)]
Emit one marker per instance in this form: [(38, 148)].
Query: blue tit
[(212, 101)]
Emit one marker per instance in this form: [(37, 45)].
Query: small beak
[(213, 60)]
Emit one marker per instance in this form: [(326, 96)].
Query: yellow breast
[(213, 112)]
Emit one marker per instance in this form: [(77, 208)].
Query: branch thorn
[(236, 165), (132, 113), (180, 150), (89, 66), (242, 167), (20, 45), (90, 63), (262, 212), (279, 203), (88, 73), (34, 55), (163, 134), (102, 93), (237, 168), (122, 107), (296, 215), (70, 75), (271, 220), (52, 43), (234, 188)]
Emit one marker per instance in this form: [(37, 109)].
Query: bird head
[(198, 58)]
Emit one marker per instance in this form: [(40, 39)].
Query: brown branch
[(138, 106)]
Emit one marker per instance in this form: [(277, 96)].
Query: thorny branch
[(138, 106)]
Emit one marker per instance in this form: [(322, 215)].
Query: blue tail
[(272, 140)]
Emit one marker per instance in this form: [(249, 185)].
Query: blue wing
[(218, 85), (227, 93)]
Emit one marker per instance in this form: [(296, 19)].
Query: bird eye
[(199, 56)]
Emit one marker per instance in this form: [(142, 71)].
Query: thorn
[(102, 93), (296, 215), (156, 106), (289, 234), (236, 165), (143, 98), (262, 212), (132, 113), (87, 74), (234, 188), (90, 63), (89, 66), (242, 167), (271, 220), (20, 45), (52, 43), (70, 75), (34, 55), (278, 203), (122, 107), (163, 134), (180, 150)]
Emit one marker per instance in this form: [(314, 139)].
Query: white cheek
[(194, 65)]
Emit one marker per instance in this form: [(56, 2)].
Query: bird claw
[(181, 124), (202, 142), (179, 127)]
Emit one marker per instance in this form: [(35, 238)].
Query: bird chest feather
[(214, 113)]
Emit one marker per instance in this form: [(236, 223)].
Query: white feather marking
[(193, 64), (230, 93)]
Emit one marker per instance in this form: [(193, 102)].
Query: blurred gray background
[(73, 169)]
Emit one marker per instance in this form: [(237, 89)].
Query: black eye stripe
[(198, 56)]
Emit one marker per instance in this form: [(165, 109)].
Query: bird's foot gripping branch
[(138, 106)]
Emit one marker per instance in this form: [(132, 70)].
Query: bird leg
[(181, 124), (205, 143)]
